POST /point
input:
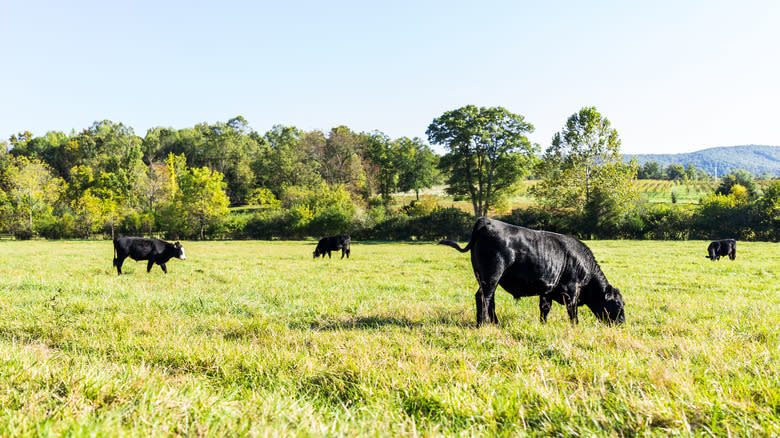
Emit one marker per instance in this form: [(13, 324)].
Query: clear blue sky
[(672, 76)]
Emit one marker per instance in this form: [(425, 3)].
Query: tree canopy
[(583, 169), (487, 152)]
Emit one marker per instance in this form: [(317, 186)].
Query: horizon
[(671, 78)]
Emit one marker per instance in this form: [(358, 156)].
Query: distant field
[(256, 338), (654, 191)]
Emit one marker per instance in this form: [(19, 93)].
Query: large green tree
[(33, 186), (487, 152), (584, 170), (202, 196), (285, 160), (382, 153), (416, 165)]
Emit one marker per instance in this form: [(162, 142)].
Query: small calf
[(332, 243), (724, 247)]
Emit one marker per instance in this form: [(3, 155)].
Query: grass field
[(256, 338), (653, 191)]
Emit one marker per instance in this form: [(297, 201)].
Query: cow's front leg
[(492, 310), (480, 299), (343, 253), (162, 265), (571, 304), (149, 266), (328, 254), (544, 307)]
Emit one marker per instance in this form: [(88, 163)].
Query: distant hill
[(756, 159)]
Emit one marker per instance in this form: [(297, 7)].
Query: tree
[(650, 170), (583, 168), (416, 165), (675, 172), (741, 177), (33, 186), (383, 153), (341, 160), (488, 152), (285, 162), (203, 197), (154, 189)]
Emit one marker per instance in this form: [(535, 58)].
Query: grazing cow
[(725, 247), (139, 248), (332, 243), (528, 262)]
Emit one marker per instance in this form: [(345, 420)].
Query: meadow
[(649, 190), (256, 338)]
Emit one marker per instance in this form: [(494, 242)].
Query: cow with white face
[(139, 248)]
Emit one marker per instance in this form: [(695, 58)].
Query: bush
[(23, 234), (53, 227), (331, 221), (663, 222), (425, 206), (444, 223)]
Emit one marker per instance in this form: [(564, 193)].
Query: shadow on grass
[(384, 242), (377, 321)]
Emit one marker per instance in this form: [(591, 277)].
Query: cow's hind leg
[(544, 307), (488, 281), (118, 263)]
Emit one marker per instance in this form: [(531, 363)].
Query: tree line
[(290, 183)]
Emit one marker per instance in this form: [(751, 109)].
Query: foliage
[(584, 171), (417, 165), (33, 188), (202, 197), (264, 198), (487, 152), (738, 177)]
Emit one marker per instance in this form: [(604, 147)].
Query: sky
[(671, 76)]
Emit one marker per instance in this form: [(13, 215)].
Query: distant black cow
[(139, 248), (725, 247), (332, 243), (527, 262)]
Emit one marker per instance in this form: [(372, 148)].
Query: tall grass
[(256, 338)]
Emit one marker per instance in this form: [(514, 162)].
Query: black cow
[(527, 262), (332, 243), (725, 247), (139, 248)]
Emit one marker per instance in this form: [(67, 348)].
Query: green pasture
[(653, 191), (256, 338)]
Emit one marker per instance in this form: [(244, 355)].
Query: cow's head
[(316, 252), (180, 251), (610, 310)]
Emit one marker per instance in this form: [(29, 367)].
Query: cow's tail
[(455, 245), (114, 251), (477, 228)]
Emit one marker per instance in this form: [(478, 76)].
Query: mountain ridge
[(721, 160)]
